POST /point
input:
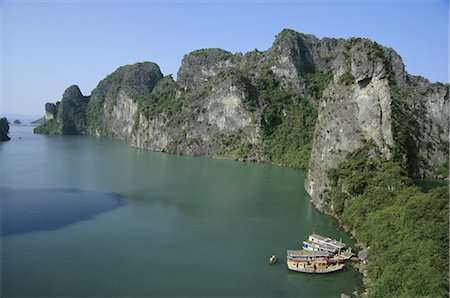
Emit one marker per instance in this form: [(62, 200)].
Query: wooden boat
[(273, 259), (308, 255), (319, 255), (318, 265), (313, 261)]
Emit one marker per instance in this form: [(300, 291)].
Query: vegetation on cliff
[(405, 228), (135, 81), (68, 116), (289, 119), (48, 127)]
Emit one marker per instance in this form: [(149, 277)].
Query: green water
[(185, 226)]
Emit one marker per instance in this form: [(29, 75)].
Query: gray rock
[(71, 114), (363, 254), (50, 111), (115, 100)]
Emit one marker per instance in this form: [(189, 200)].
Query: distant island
[(4, 129), (344, 110)]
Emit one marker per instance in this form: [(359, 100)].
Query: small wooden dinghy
[(273, 259)]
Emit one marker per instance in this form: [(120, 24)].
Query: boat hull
[(313, 268)]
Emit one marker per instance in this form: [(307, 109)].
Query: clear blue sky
[(48, 45)]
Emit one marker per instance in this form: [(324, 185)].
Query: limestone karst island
[(370, 138)]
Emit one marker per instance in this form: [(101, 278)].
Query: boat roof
[(321, 245), (327, 239), (307, 253), (321, 237)]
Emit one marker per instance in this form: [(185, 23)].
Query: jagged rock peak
[(148, 67), (143, 75), (198, 66), (72, 92), (51, 109), (116, 99), (289, 35)]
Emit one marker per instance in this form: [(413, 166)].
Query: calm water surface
[(91, 217)]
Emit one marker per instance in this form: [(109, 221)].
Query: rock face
[(4, 129), (196, 114), (51, 110), (372, 99), (71, 114), (429, 142), (305, 102), (115, 100), (67, 117), (355, 109)]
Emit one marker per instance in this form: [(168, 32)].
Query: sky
[(49, 45)]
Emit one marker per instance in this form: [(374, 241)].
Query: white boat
[(326, 241), (311, 245)]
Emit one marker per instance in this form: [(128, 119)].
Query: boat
[(307, 255), (319, 255), (312, 262), (273, 259), (321, 240), (311, 245)]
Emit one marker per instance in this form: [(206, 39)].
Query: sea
[(91, 217)]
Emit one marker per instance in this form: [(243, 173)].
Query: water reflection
[(32, 210)]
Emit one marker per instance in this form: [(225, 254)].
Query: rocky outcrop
[(4, 129), (355, 109), (66, 117), (115, 100), (305, 102), (198, 67), (428, 143), (207, 121), (71, 114), (51, 109)]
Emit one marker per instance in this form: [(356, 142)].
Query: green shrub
[(347, 78), (316, 82), (406, 229)]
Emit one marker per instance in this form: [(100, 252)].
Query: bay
[(94, 217)]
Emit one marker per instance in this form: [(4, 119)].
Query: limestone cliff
[(372, 99), (203, 113), (115, 100), (67, 117), (305, 102), (355, 108)]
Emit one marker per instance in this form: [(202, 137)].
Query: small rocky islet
[(4, 129), (344, 110)]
